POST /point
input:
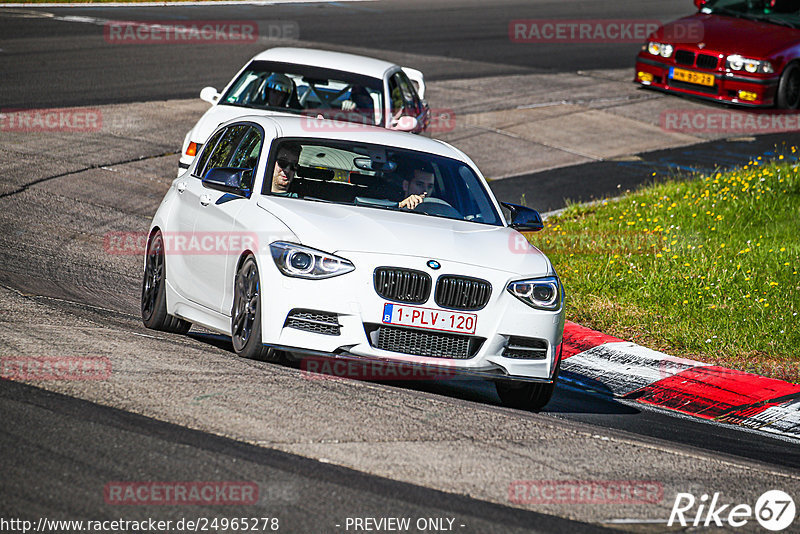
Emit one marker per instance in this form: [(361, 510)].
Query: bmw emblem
[(433, 264)]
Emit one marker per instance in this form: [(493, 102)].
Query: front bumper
[(727, 87), (376, 368), (358, 311)]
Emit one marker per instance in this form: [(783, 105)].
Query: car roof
[(366, 66), (312, 128)]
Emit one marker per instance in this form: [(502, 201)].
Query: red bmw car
[(744, 52)]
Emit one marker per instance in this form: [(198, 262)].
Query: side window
[(404, 100), (412, 98), (199, 169), (246, 155), (226, 146), (396, 97)]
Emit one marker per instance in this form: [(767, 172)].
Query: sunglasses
[(287, 164)]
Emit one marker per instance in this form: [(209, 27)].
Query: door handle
[(205, 200)]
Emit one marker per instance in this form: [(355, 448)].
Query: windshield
[(308, 91), (784, 12), (360, 174)]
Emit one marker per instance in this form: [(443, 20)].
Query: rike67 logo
[(774, 510)]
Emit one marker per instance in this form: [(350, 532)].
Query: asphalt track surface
[(49, 432), (58, 450), (73, 65)]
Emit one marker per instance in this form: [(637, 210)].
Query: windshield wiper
[(375, 202), (751, 16), (774, 21), (725, 11), (317, 199)]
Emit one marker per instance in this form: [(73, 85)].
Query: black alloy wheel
[(246, 314), (154, 298), (789, 88)]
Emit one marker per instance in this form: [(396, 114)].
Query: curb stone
[(629, 371)]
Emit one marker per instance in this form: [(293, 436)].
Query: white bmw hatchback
[(311, 82), (302, 236)]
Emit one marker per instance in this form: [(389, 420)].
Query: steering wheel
[(437, 206)]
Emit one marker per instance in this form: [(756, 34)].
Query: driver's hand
[(412, 201), (348, 105)]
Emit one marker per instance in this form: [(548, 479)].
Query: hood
[(220, 113), (337, 229), (731, 35)]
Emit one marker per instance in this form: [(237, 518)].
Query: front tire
[(788, 96), (246, 314), (527, 396), (154, 295)]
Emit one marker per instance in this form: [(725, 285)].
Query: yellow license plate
[(692, 77)]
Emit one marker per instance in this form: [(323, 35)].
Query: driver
[(278, 88), (417, 186), (285, 168)]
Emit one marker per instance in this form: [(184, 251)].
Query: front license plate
[(446, 321), (690, 76)]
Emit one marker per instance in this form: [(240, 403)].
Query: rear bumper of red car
[(734, 89)]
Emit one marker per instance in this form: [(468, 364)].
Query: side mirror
[(229, 180), (406, 123), (524, 219), (210, 95), (700, 3)]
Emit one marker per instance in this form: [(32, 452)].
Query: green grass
[(704, 267)]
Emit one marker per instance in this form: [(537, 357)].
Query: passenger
[(360, 102)]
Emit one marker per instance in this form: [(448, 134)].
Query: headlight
[(540, 293), (737, 62), (304, 262), (659, 49)]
